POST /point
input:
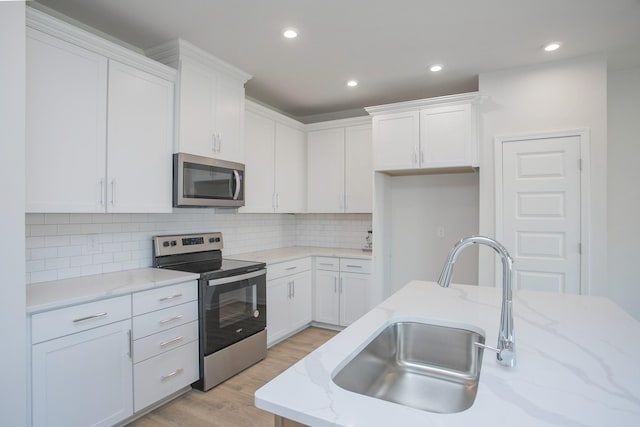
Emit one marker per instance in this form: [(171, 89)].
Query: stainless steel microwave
[(205, 182)]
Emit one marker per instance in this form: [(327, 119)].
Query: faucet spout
[(506, 350)]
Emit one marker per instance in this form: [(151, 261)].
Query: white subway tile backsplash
[(58, 244)]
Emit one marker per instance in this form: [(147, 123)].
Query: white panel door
[(396, 140), (541, 212), (66, 113), (327, 297), (354, 291), (291, 171), (358, 168), (325, 171), (259, 163), (140, 135), (83, 379), (229, 119)]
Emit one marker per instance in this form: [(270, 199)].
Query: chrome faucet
[(506, 348)]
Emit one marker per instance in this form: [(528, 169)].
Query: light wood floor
[(231, 403)]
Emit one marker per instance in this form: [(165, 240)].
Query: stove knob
[(212, 239), (173, 243), (165, 244)]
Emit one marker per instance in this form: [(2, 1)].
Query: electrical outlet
[(93, 244), (440, 231)]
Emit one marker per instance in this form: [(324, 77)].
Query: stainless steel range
[(232, 303)]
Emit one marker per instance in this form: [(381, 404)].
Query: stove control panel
[(186, 243)]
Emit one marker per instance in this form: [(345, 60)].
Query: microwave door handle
[(236, 176)]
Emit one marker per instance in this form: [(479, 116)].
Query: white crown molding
[(398, 107), (340, 123), (265, 111), (38, 20), (174, 50)]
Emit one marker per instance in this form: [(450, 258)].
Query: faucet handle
[(506, 356)]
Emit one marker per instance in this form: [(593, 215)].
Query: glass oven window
[(237, 304)]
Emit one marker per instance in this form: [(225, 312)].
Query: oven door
[(233, 308)]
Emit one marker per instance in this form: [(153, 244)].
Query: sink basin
[(429, 367)]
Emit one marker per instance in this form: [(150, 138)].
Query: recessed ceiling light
[(552, 46), (352, 83), (435, 68), (290, 33)]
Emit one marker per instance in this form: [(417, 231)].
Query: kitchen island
[(576, 363)]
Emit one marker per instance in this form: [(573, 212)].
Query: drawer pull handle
[(173, 341), (291, 268), (326, 263), (354, 266), (172, 374), (171, 319), (171, 297), (93, 316)]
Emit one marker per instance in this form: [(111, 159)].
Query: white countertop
[(60, 293), (576, 364), (273, 256)]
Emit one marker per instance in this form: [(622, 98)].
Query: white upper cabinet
[(139, 141), (66, 126), (99, 130), (339, 167), (210, 102), (275, 162), (436, 133)]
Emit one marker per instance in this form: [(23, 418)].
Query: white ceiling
[(387, 45)]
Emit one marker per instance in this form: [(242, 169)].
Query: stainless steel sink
[(428, 367)]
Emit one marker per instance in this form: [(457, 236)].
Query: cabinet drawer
[(355, 265), (327, 263), (164, 341), (287, 268), (164, 319), (156, 299), (162, 375), (77, 318)]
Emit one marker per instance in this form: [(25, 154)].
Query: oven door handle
[(231, 279)]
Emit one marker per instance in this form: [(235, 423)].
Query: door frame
[(585, 191)]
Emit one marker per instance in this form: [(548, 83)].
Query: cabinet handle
[(171, 319), (173, 341), (113, 192), (293, 290), (421, 156), (101, 192), (291, 268), (354, 266), (93, 316), (169, 298), (335, 285), (213, 142), (130, 336), (325, 263), (340, 284), (219, 142), (172, 374), (277, 200), (415, 155)]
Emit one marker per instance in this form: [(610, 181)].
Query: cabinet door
[(445, 136), (259, 163), (140, 133), (327, 298), (66, 116), (396, 141), (358, 179), (278, 300), (83, 379), (196, 110), (229, 119), (354, 291), (301, 310), (290, 170), (325, 171)]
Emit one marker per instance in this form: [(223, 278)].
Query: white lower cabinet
[(288, 298), (341, 290), (96, 364), (83, 378)]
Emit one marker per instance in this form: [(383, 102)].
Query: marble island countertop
[(576, 364)]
